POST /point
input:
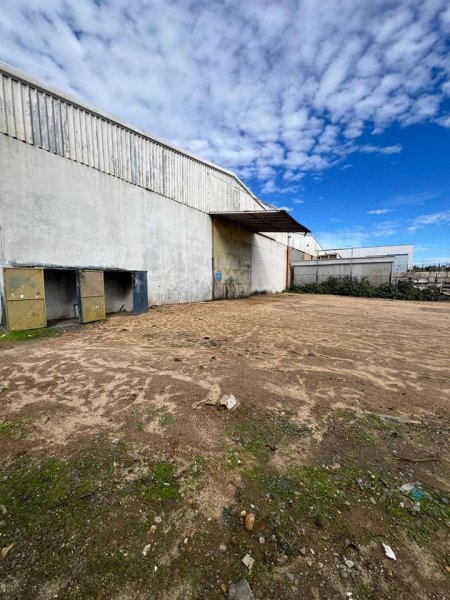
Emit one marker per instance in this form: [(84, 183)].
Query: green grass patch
[(25, 335), (162, 415), (46, 497), (159, 486), (13, 429)]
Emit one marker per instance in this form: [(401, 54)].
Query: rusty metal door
[(92, 296), (25, 298)]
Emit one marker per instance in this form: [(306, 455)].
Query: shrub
[(353, 286)]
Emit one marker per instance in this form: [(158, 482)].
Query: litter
[(5, 551), (411, 490), (418, 459), (403, 420), (228, 400), (389, 552)]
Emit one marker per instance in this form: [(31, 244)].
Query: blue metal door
[(140, 295)]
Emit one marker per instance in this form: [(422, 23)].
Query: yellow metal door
[(25, 298), (92, 296)]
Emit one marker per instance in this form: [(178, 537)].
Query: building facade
[(98, 217)]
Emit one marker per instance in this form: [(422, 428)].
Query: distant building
[(379, 264)]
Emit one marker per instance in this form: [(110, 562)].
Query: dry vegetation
[(114, 487)]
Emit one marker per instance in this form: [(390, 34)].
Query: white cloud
[(439, 218), (370, 149), (297, 201), (380, 211), (254, 86), (413, 198)]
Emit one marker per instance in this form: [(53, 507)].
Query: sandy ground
[(317, 363)]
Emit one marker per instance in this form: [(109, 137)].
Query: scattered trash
[(248, 562), (262, 540), (222, 548), (5, 551), (416, 507), (335, 466), (349, 564), (115, 441), (403, 420), (418, 458), (158, 519), (413, 491), (146, 549), (388, 551), (303, 551), (249, 521), (240, 591), (227, 400)]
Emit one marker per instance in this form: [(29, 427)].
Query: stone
[(240, 591), (342, 572), (248, 561), (249, 521), (349, 564)]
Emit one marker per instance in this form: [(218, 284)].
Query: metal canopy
[(263, 221)]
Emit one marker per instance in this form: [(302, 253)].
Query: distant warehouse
[(97, 217)]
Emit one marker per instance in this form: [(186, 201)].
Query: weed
[(361, 287), (159, 486), (45, 497), (28, 334), (162, 415), (12, 429)]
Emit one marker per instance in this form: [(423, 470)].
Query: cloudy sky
[(337, 110)]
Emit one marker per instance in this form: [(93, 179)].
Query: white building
[(97, 217)]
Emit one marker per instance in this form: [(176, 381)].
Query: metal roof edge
[(25, 78)]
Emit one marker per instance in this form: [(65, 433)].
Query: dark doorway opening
[(61, 298), (118, 292)]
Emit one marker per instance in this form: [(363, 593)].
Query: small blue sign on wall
[(218, 275)]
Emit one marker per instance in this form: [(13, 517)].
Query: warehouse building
[(378, 264), (97, 217)]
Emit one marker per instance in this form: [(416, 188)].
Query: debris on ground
[(248, 562), (6, 550), (228, 400), (240, 590), (413, 491), (395, 418), (146, 549), (388, 551), (418, 459)]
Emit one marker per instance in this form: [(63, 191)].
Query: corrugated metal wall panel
[(41, 118)]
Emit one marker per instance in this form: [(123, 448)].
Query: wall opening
[(61, 299), (118, 291)]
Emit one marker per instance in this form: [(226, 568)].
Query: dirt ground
[(114, 485)]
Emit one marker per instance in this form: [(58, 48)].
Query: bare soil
[(115, 486)]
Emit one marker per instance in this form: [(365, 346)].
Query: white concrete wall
[(269, 264), (54, 211)]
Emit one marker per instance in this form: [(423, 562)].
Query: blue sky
[(337, 110)]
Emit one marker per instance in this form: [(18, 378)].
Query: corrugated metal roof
[(268, 221), (17, 127)]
